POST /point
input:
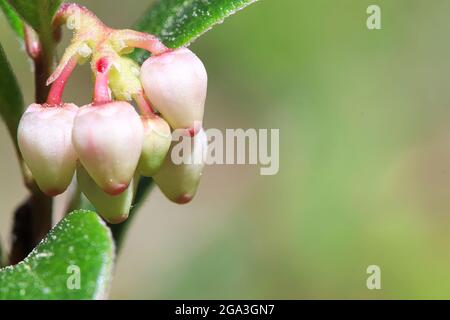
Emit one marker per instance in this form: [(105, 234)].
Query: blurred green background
[(364, 157)]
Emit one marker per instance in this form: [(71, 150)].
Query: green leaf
[(37, 13), (13, 19), (79, 247), (178, 22), (11, 101)]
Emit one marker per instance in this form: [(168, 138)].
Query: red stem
[(144, 41), (144, 105), (102, 93), (57, 88)]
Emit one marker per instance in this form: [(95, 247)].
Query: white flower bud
[(108, 140), (45, 141), (114, 209), (157, 139), (176, 83), (179, 182)]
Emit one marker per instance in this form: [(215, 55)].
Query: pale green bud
[(157, 139), (114, 209), (179, 182), (124, 79)]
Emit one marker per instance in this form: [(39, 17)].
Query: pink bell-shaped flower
[(175, 82), (45, 141), (108, 140)]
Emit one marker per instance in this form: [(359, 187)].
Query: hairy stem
[(142, 40)]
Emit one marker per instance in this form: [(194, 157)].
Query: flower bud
[(124, 79), (108, 139), (176, 82), (157, 139), (114, 209), (179, 182), (45, 141)]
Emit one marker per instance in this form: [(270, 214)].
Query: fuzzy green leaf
[(11, 101), (80, 248), (179, 22), (13, 18)]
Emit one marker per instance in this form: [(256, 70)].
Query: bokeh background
[(364, 158)]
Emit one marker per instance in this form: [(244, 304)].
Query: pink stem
[(144, 105), (56, 91), (144, 41), (102, 93)]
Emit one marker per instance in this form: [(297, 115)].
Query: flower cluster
[(107, 142)]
